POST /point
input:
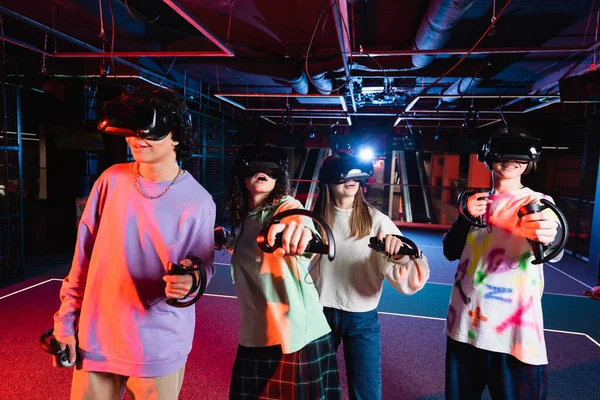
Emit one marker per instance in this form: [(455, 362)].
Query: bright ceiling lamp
[(366, 154)]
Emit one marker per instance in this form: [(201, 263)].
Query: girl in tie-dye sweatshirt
[(494, 323)]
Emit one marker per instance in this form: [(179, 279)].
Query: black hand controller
[(461, 202), (409, 248), (50, 345), (178, 269), (222, 236), (315, 245), (538, 248)]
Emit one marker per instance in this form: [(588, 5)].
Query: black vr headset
[(267, 159), (131, 118), (524, 149), (342, 167)]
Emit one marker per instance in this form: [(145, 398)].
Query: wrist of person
[(400, 259), (195, 283), (468, 214)]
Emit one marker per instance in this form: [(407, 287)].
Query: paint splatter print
[(496, 296)]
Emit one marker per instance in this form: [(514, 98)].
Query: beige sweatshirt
[(353, 281)]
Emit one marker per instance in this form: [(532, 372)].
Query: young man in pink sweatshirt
[(139, 217)]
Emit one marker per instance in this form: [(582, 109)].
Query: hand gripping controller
[(222, 237), (50, 345), (543, 255), (478, 222), (315, 245), (409, 248), (178, 269)]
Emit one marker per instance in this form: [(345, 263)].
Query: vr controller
[(222, 237), (316, 245), (50, 345), (409, 248), (477, 222), (540, 253), (178, 269)]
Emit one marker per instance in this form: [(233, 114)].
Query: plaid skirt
[(266, 373)]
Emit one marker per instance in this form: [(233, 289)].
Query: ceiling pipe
[(442, 118), (460, 87), (340, 17), (288, 71), (300, 84), (124, 76), (131, 29), (134, 28), (138, 54), (24, 45), (194, 22), (323, 85), (550, 82), (283, 70), (483, 51), (526, 111), (412, 104), (314, 110), (86, 46), (434, 32), (436, 27), (89, 10)]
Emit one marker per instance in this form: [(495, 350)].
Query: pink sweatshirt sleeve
[(73, 286), (203, 245)]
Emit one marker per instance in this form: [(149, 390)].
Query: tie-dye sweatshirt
[(496, 298), (114, 296)]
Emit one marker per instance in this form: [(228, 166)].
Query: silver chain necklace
[(140, 190)]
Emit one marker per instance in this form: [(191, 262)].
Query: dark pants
[(362, 350), (469, 370)]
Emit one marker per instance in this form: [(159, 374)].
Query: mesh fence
[(211, 161), (575, 184), (11, 262)]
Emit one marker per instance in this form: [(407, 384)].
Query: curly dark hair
[(171, 103), (236, 199)]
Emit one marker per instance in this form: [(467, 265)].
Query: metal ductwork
[(339, 10), (460, 88), (300, 84), (323, 85), (436, 27), (285, 70), (90, 9)]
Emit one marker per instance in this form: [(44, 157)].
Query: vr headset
[(129, 118), (266, 159), (511, 147), (342, 167)]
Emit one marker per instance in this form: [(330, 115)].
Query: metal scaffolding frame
[(11, 219)]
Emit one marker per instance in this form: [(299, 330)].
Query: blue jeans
[(469, 370), (362, 350)]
